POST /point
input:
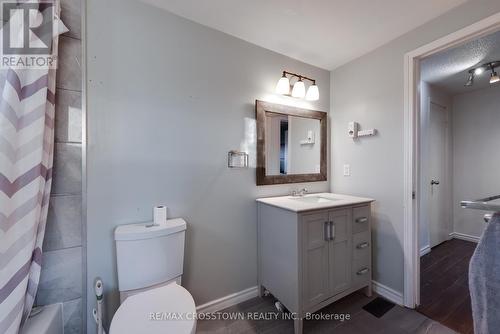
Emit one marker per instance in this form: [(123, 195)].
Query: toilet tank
[(149, 255)]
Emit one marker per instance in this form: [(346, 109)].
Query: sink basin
[(314, 199)]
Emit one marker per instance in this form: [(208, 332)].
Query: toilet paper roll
[(159, 214)]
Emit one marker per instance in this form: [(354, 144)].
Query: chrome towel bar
[(482, 204)]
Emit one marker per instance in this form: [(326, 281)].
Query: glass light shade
[(312, 93), (299, 89), (283, 86), (494, 78)]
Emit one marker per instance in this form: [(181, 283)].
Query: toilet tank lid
[(146, 231)]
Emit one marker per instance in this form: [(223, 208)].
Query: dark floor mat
[(378, 307)]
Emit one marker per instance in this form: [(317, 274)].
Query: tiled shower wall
[(63, 266)]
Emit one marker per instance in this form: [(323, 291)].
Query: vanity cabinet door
[(340, 251), (315, 257)]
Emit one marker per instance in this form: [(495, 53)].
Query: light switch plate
[(347, 170)]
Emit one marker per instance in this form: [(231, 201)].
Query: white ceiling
[(325, 33), (448, 70)]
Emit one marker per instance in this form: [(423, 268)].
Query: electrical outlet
[(347, 170)]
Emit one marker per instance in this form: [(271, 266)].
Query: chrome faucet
[(299, 193)]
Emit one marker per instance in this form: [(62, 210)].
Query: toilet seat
[(163, 310)]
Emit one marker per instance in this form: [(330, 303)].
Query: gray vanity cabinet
[(308, 260)]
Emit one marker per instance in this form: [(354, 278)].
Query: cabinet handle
[(326, 231), (362, 245), (361, 220), (332, 230), (363, 271)]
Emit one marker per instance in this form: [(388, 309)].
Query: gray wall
[(476, 123), (370, 90), (428, 94), (63, 266), (167, 99)]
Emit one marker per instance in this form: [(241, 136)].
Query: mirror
[(291, 144)]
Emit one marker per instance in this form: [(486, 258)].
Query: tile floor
[(398, 320)]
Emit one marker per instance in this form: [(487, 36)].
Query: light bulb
[(312, 93), (299, 89), (494, 77), (283, 85), (478, 70)]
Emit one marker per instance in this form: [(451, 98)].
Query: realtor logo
[(27, 34), (29, 28)]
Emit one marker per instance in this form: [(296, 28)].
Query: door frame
[(411, 293)]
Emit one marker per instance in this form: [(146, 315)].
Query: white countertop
[(299, 204)]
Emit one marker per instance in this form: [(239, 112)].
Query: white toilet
[(149, 262)]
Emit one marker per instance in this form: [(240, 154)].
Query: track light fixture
[(470, 81), (494, 78), (299, 88)]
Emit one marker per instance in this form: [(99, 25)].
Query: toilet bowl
[(167, 309), (150, 266)]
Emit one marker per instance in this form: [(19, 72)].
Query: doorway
[(458, 131), (412, 134)]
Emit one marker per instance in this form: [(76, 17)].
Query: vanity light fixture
[(299, 88), (473, 72)]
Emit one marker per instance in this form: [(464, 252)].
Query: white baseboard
[(228, 301), (463, 236), (425, 250), (244, 295), (390, 294)]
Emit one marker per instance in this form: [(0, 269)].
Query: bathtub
[(48, 321)]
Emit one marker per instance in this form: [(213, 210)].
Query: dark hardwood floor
[(398, 320), (444, 285)]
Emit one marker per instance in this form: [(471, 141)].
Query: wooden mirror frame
[(261, 108)]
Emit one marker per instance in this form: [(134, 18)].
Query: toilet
[(149, 262)]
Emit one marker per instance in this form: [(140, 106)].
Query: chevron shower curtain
[(26, 153)]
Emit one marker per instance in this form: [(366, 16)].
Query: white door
[(438, 154)]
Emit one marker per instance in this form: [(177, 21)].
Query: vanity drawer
[(361, 219), (361, 272), (361, 246)]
